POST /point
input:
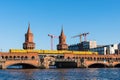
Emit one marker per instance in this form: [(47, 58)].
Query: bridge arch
[(22, 65), (117, 65), (97, 65)]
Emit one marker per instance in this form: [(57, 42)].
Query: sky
[(101, 18)]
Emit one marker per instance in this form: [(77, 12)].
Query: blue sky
[(101, 18)]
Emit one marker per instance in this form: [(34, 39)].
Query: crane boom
[(80, 35)]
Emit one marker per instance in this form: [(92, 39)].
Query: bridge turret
[(62, 41), (29, 44)]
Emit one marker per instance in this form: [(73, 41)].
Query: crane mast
[(52, 37), (85, 36)]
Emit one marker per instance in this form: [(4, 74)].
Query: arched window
[(6, 57), (73, 57), (18, 57), (91, 58), (103, 59), (22, 57), (98, 59), (82, 57), (2, 57), (68, 57), (76, 57), (14, 57), (88, 58), (118, 58), (94, 59), (26, 57), (32, 57), (10, 57)]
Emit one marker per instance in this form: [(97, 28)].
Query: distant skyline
[(101, 18)]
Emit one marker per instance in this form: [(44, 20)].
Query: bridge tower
[(62, 41), (29, 44)]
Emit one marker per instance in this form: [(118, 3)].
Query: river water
[(61, 74)]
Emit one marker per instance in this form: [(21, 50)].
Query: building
[(118, 51), (83, 46), (119, 46), (62, 42), (92, 46), (29, 44), (106, 49)]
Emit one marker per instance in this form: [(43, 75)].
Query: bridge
[(67, 60), (84, 61), (26, 60)]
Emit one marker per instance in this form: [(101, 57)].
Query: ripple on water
[(61, 74)]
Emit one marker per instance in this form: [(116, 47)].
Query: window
[(14, 57), (33, 57), (26, 57), (2, 57), (6, 57), (22, 57), (10, 57)]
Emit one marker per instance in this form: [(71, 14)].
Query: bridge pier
[(110, 64), (0, 66), (78, 63), (81, 63), (47, 61), (3, 67)]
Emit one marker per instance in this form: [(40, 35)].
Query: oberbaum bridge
[(30, 58)]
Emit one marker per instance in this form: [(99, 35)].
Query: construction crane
[(80, 35), (52, 37), (84, 35)]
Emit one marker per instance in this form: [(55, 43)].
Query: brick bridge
[(86, 61), (27, 60), (32, 60)]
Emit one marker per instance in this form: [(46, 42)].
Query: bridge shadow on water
[(60, 65), (98, 65), (21, 66), (74, 65), (66, 65), (117, 66)]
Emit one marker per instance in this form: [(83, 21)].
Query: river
[(61, 74)]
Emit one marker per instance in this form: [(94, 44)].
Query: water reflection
[(61, 74)]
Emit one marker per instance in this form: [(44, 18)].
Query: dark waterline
[(61, 74)]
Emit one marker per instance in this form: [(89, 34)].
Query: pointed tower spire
[(29, 31), (62, 29), (29, 44), (62, 41), (62, 32)]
